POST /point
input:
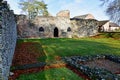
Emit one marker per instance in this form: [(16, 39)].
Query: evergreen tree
[(34, 8)]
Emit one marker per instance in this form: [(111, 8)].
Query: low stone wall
[(8, 37), (78, 62)]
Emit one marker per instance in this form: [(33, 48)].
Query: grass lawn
[(61, 47), (52, 74), (56, 47)]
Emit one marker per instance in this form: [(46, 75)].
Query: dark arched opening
[(41, 29), (56, 32), (69, 29)]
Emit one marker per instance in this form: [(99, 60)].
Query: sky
[(76, 7)]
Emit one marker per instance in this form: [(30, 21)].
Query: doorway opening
[(56, 32)]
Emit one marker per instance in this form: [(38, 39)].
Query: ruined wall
[(7, 39), (84, 27), (43, 27), (63, 13)]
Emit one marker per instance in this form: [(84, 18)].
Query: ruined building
[(18, 26), (61, 26)]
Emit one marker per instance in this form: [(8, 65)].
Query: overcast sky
[(76, 7)]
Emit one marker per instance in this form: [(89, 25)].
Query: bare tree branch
[(113, 9)]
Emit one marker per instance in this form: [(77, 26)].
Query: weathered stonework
[(84, 28), (49, 27), (86, 16), (63, 13), (7, 39), (43, 27), (94, 73)]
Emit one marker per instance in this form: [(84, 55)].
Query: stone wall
[(84, 27), (7, 39), (43, 27), (46, 27), (63, 13)]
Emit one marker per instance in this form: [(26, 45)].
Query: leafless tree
[(113, 9)]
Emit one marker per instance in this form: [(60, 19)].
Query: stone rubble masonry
[(63, 13), (67, 28), (30, 29), (84, 27), (8, 36)]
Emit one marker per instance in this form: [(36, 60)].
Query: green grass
[(69, 47), (72, 47), (110, 35), (52, 74)]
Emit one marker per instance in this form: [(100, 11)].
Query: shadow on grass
[(52, 74), (55, 47), (71, 47)]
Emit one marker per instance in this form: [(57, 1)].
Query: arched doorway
[(41, 29), (68, 29), (56, 32)]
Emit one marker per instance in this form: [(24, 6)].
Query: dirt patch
[(104, 63), (26, 53), (78, 73)]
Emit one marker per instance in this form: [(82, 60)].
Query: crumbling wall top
[(63, 13)]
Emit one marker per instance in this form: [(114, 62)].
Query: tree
[(34, 8), (113, 9)]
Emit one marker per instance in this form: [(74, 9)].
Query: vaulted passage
[(56, 32)]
